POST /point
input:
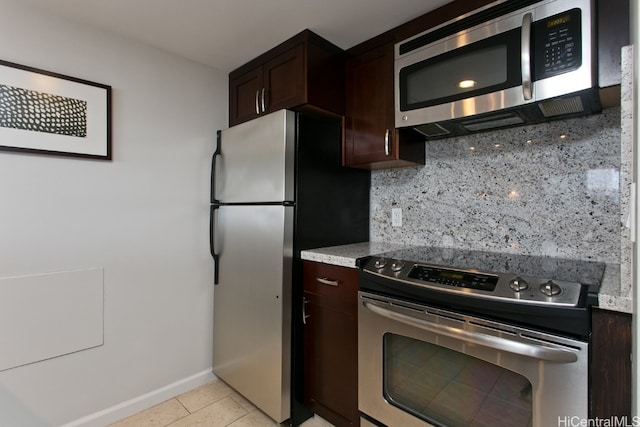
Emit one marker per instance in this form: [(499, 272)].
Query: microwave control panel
[(557, 44)]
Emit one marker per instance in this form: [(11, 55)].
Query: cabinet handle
[(305, 316), (257, 103), (326, 281), (386, 143), (263, 107)]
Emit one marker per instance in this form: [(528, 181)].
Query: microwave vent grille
[(558, 107), (431, 130), (493, 121)]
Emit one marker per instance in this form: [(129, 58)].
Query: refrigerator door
[(255, 161), (252, 304)]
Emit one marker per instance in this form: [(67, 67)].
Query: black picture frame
[(43, 112)]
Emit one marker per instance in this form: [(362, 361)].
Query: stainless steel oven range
[(462, 338)]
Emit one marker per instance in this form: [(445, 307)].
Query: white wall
[(142, 217)]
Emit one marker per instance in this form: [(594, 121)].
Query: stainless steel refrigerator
[(277, 187)]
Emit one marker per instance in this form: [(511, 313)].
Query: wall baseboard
[(140, 403)]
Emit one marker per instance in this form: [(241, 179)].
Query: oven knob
[(380, 263), (518, 284), (550, 288), (397, 265)]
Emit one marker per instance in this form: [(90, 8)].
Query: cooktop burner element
[(538, 291)]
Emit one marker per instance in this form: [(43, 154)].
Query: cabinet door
[(610, 365), (305, 72), (369, 107), (244, 96), (284, 80), (331, 343), (371, 140)]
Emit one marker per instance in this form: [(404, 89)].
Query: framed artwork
[(49, 113)]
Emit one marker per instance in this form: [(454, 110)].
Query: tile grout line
[(247, 410), (229, 396), (180, 418), (182, 404), (189, 413)]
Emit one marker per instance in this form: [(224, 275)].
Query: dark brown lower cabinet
[(331, 342), (610, 386)]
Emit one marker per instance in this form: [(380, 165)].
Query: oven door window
[(486, 66), (448, 388)]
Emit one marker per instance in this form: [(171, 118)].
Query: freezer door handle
[(212, 241), (213, 167)]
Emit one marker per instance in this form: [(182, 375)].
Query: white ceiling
[(225, 34)]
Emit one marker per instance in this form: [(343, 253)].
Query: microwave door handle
[(525, 56), (557, 355)]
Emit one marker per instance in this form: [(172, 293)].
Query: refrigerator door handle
[(212, 242), (213, 167)]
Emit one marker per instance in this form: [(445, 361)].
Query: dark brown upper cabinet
[(371, 140), (304, 72)]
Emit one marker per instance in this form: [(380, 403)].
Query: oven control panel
[(481, 284), (460, 279)]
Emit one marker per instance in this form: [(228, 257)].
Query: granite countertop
[(348, 255), (610, 296)]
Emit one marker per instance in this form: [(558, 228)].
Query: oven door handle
[(558, 355)]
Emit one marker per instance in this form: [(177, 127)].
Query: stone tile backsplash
[(550, 189)]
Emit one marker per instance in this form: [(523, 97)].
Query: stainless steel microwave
[(511, 63)]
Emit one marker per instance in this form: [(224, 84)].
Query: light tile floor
[(212, 405)]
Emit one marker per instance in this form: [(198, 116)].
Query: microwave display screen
[(558, 21), (557, 44)]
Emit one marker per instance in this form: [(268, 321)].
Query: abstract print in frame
[(49, 113)]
